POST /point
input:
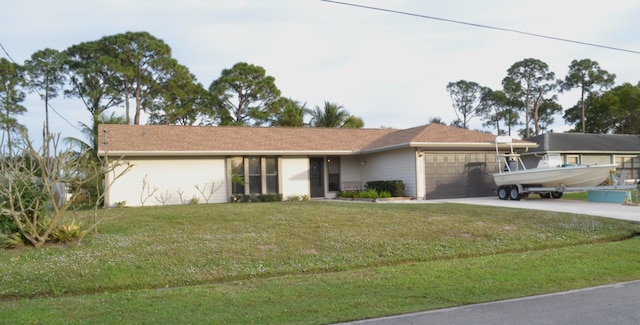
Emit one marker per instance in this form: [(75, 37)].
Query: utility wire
[(480, 26), (40, 95)]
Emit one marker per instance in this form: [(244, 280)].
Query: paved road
[(613, 304)]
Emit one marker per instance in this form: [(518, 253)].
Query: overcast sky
[(389, 69)]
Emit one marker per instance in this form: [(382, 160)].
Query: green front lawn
[(309, 262)]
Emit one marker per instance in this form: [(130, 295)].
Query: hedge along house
[(173, 164), (587, 148)]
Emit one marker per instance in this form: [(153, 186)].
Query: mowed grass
[(309, 262)]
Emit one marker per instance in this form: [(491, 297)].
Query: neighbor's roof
[(121, 139), (586, 143)]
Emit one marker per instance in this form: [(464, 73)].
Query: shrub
[(365, 194), (244, 198), (66, 233), (13, 240), (395, 187)]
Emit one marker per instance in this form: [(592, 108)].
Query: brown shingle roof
[(432, 133), (120, 138)]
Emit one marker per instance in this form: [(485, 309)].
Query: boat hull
[(570, 176)]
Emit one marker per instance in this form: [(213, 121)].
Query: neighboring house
[(172, 164), (585, 148)]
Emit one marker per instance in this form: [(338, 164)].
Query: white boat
[(513, 177)]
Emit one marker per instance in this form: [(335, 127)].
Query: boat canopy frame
[(510, 161)]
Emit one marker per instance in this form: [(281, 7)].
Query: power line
[(480, 26)]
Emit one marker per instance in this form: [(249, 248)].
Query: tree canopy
[(11, 97), (245, 95), (586, 75), (466, 99), (46, 76), (133, 74), (333, 115), (530, 81)]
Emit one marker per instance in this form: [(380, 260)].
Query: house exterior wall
[(391, 165), (630, 164), (170, 181), (350, 178), (531, 161), (294, 173)]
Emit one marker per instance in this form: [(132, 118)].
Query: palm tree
[(333, 116), (289, 112), (91, 134)]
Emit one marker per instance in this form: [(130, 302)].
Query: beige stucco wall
[(169, 181), (294, 176)]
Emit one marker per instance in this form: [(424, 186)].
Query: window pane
[(334, 182), (255, 184), (237, 175), (333, 165), (333, 170), (237, 165), (254, 165), (271, 166), (272, 184)]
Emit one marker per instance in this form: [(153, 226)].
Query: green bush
[(14, 240), (245, 198), (365, 194), (395, 187), (66, 233), (30, 203)]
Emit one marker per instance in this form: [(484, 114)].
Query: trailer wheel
[(556, 195), (503, 192), (545, 195), (514, 194)]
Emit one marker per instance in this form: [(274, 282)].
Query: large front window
[(237, 175), (257, 175)]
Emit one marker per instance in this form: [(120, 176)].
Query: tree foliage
[(590, 79), (93, 80), (11, 97), (466, 100), (245, 95), (529, 81), (499, 110), (183, 101), (289, 112), (33, 190), (333, 115), (614, 111), (45, 75), (142, 64)]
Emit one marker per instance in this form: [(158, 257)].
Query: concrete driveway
[(609, 210)]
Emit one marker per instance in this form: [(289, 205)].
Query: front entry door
[(316, 177)]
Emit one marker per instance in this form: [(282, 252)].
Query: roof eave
[(449, 146), (200, 153)]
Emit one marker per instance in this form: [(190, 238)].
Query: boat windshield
[(552, 160)]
